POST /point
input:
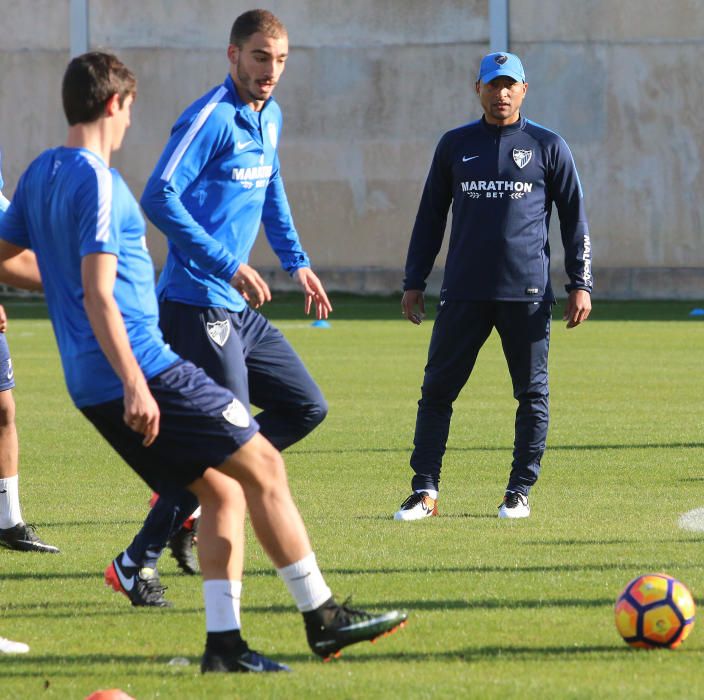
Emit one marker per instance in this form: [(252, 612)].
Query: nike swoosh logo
[(465, 158), (299, 578), (127, 583), (251, 667), (3, 491), (243, 144)]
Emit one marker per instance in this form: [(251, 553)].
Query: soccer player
[(502, 175), (14, 532), (166, 418), (216, 182)]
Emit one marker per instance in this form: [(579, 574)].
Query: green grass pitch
[(497, 609)]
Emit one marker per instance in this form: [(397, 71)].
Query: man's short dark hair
[(90, 81), (254, 21)]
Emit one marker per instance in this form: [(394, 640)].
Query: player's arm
[(98, 274), (566, 191), (18, 267), (185, 156), (18, 264), (427, 235)]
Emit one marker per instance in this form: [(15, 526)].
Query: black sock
[(227, 642), (321, 614)]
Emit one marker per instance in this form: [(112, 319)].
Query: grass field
[(497, 609)]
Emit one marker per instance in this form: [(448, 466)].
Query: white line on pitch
[(692, 520)]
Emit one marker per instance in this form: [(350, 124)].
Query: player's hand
[(413, 306), (314, 292), (3, 319), (249, 283), (142, 411), (577, 308)]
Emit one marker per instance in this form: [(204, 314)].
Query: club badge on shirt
[(522, 156)]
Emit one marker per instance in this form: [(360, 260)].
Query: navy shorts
[(201, 425), (7, 373)]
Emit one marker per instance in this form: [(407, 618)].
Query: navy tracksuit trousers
[(245, 353), (460, 330)]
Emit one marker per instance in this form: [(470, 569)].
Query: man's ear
[(233, 54), (476, 87), (112, 106)]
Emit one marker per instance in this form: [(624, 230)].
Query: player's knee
[(314, 414), (7, 410)]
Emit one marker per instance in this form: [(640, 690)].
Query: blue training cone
[(696, 312), (321, 323)]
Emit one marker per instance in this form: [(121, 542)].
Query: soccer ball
[(654, 610)]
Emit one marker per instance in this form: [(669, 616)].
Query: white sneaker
[(514, 505), (417, 506), (9, 647)]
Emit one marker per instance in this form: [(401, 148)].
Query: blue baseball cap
[(501, 63)]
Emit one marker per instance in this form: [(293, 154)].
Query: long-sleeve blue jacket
[(216, 182), (502, 183)]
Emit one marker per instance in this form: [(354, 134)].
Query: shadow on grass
[(73, 665), (82, 610), (592, 542), (508, 448), (94, 523), (488, 569)]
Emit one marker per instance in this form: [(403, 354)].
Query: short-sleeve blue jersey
[(69, 204), (502, 183), (216, 182)]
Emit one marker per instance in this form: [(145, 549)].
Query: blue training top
[(502, 182), (217, 180), (69, 204)]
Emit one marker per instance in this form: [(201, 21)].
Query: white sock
[(431, 492), (10, 512), (222, 605), (305, 583)]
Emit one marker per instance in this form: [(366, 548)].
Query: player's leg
[(524, 328), (459, 331), (259, 469), (207, 338), (14, 532), (194, 432), (279, 383), (221, 554), (164, 519), (202, 423)]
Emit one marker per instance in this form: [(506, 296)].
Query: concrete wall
[(370, 87)]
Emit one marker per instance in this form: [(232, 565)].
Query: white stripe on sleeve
[(195, 127), (104, 177)]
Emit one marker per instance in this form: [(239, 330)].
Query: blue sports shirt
[(217, 180), (502, 183), (69, 204)]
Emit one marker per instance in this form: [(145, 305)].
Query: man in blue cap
[(502, 174)]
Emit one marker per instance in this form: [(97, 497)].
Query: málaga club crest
[(522, 156)]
